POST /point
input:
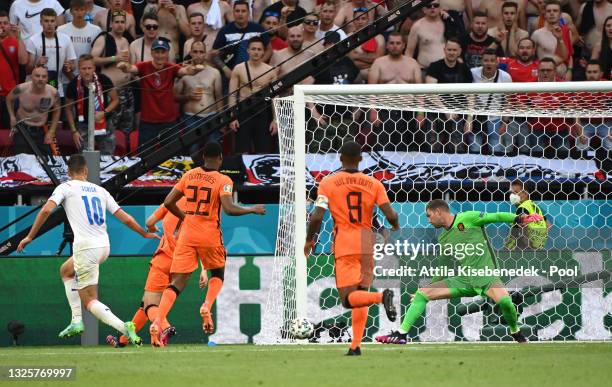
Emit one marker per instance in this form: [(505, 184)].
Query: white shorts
[(86, 264)]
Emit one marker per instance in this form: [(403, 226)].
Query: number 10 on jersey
[(95, 212)]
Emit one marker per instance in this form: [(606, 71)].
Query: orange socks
[(167, 300), (214, 287), (360, 315), (153, 313), (360, 298), (139, 319)]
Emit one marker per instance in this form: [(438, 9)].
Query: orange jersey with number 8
[(203, 190), (350, 197)]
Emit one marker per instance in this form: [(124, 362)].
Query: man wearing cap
[(159, 111)]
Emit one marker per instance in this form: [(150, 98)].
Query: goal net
[(467, 144)]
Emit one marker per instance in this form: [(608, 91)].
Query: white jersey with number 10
[(86, 205)]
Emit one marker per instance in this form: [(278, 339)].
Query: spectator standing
[(26, 14), (104, 18), (110, 50), (173, 23), (230, 47), (395, 129), (290, 12), (81, 32), (508, 33), (364, 55), (603, 50), (594, 128), (311, 25), (77, 101), (196, 33), (458, 10), (477, 41), (326, 20), (36, 99), (271, 22), (53, 50), (140, 49), (591, 21), (159, 111), (447, 129), (200, 95), (427, 36), (216, 14), (548, 136), (255, 132), (522, 69), (12, 54), (91, 9), (554, 40), (489, 131), (346, 13)]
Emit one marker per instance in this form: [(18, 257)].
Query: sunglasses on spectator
[(311, 22), (118, 13), (360, 9), (151, 27), (433, 5)]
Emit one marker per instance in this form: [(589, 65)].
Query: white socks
[(72, 294), (104, 314)]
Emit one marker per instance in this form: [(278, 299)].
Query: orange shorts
[(159, 272), (185, 258), (354, 270)]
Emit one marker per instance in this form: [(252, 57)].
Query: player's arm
[(233, 209), (504, 217), (391, 215), (314, 226), (156, 216), (129, 221), (41, 218), (170, 203)]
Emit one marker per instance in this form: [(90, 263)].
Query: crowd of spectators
[(162, 66)]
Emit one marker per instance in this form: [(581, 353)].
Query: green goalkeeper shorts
[(472, 286)]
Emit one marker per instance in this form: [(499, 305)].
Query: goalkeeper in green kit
[(464, 229)]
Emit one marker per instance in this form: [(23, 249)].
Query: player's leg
[(436, 291), (76, 326), (498, 293), (139, 320), (86, 266), (213, 259), (184, 262), (354, 274)]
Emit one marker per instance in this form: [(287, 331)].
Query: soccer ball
[(301, 328)]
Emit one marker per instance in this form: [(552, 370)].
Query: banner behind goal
[(466, 144)]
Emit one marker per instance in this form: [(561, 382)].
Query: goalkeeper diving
[(464, 228)]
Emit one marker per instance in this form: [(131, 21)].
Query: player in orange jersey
[(350, 196), (159, 274), (206, 191)]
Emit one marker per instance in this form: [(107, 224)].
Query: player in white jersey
[(86, 205)]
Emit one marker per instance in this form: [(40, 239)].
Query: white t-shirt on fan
[(34, 46), (26, 14), (81, 38)]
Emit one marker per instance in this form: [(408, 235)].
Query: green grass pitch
[(456, 364)]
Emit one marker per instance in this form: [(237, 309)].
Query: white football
[(301, 328)]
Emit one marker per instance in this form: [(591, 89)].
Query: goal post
[(403, 153)]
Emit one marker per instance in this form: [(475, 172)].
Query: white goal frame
[(301, 94)]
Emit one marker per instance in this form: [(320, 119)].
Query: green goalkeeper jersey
[(466, 241)]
